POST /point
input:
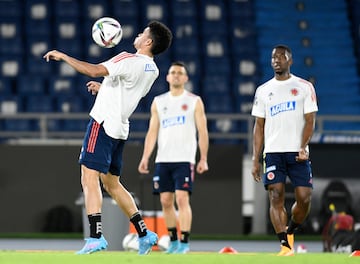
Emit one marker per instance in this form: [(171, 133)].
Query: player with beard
[(285, 108), (177, 126)]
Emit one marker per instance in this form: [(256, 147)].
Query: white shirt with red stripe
[(177, 140), (130, 78), (283, 105)]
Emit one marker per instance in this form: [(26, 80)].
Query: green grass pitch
[(155, 257)]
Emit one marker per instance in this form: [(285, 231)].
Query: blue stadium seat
[(215, 46), (216, 84), (17, 125), (69, 28), (11, 66), (213, 14), (63, 85), (94, 53), (217, 66), (37, 18), (72, 46), (244, 86), (193, 85), (241, 9), (245, 65), (54, 125), (243, 104), (125, 8), (31, 85), (38, 26), (130, 27), (193, 64), (67, 8), (216, 103), (11, 104), (6, 86), (69, 103), (39, 103), (181, 9), (183, 27), (186, 40), (13, 46), (137, 125), (11, 8), (95, 9), (243, 36), (11, 36), (37, 65), (125, 45), (74, 125), (160, 86), (37, 46), (69, 34), (224, 126), (154, 10), (163, 63)]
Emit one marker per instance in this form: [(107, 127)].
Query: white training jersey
[(283, 105), (177, 139), (130, 78)]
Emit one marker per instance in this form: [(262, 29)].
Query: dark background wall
[(36, 179), (336, 180)]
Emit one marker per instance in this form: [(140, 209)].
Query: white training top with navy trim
[(283, 105), (130, 78), (177, 140)]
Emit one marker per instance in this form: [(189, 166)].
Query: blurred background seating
[(226, 46)]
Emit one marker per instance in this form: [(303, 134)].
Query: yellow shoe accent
[(290, 239), (285, 251)]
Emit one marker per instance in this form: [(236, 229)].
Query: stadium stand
[(225, 44), (313, 30)]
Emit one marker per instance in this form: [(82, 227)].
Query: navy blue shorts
[(101, 152), (278, 166), (171, 176)]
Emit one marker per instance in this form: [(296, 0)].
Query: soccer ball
[(164, 242), (131, 242), (107, 32)]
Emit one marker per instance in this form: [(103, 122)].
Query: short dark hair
[(285, 47), (161, 36), (179, 63)]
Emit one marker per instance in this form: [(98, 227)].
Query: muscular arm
[(306, 136), (258, 143), (308, 129), (89, 69), (150, 140), (203, 136)]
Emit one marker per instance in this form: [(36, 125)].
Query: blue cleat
[(146, 242), (173, 247), (93, 245), (183, 248)]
